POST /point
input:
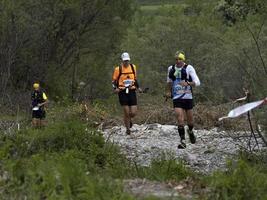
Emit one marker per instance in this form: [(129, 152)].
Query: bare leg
[(126, 117), (189, 116), (43, 122), (133, 111), (36, 123), (179, 113)]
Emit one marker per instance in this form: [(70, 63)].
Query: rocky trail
[(208, 154), (149, 141)]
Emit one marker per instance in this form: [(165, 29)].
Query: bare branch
[(258, 47)]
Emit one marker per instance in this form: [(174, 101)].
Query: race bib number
[(178, 89), (35, 108), (127, 82)]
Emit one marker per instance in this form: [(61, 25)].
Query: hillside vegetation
[(69, 159), (72, 47)]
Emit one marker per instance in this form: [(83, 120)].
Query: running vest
[(37, 97), (177, 75), (126, 78)]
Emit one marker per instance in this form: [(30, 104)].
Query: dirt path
[(209, 154)]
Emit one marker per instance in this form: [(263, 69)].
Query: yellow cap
[(36, 85), (180, 55)]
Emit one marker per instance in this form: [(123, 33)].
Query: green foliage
[(55, 138), (153, 42), (233, 55), (63, 43), (164, 168), (65, 160), (156, 2), (61, 161), (242, 180), (60, 43), (65, 136), (233, 10), (58, 176)]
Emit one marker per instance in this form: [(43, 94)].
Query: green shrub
[(58, 176), (58, 137), (69, 160), (242, 180), (164, 168), (68, 135)]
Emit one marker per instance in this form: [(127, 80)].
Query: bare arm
[(169, 84)]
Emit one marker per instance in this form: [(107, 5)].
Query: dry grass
[(154, 109), (157, 110)]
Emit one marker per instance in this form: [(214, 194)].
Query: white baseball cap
[(125, 56)]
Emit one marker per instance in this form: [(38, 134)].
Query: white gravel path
[(209, 153)]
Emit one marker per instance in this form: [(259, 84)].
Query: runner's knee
[(132, 114)]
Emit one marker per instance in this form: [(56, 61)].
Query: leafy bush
[(62, 161), (63, 136), (69, 159), (164, 168), (58, 176), (243, 180), (58, 137)]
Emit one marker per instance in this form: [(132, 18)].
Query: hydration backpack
[(120, 73), (183, 74)]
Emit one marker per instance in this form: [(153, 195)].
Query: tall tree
[(57, 41)]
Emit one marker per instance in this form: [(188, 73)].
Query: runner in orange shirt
[(124, 82)]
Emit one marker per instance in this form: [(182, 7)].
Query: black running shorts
[(128, 99), (186, 104), (38, 114)]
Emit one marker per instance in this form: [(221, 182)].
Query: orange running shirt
[(126, 74)]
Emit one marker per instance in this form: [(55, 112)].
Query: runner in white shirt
[(180, 80)]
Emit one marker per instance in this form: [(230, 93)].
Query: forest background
[(71, 47)]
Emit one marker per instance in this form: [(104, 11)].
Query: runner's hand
[(183, 83), (140, 90), (117, 90)]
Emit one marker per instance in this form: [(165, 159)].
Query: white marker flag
[(243, 109)]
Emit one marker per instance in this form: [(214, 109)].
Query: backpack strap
[(37, 97), (183, 73), (116, 83), (171, 73), (135, 79), (120, 72), (133, 70), (185, 77)]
